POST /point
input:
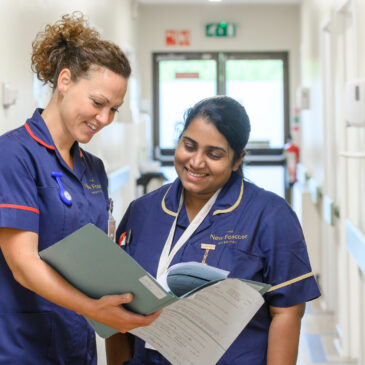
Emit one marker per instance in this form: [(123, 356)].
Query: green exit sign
[(222, 29)]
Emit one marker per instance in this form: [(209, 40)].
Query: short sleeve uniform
[(32, 329), (256, 235)]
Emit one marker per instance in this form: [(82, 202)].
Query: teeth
[(195, 175), (91, 126)]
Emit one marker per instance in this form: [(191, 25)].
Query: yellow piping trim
[(170, 212), (292, 281), (234, 206), (218, 211)]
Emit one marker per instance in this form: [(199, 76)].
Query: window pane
[(270, 178), (182, 83), (259, 86)]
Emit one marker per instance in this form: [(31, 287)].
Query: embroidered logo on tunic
[(94, 188), (228, 238)]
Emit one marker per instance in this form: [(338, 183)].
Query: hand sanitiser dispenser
[(355, 103)]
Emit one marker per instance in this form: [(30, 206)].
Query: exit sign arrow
[(222, 29)]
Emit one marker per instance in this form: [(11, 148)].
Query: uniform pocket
[(241, 263), (25, 338)]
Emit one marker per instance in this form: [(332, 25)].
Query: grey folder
[(95, 265)]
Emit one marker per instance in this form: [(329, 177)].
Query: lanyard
[(167, 256)]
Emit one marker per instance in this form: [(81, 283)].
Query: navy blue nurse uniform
[(256, 235), (33, 330)]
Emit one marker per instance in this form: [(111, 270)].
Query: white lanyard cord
[(167, 256)]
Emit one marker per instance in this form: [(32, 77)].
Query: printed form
[(199, 329)]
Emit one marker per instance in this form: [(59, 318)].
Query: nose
[(197, 161), (104, 116)]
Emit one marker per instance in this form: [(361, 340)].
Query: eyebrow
[(99, 95), (211, 147)]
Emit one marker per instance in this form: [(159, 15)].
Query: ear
[(237, 164), (64, 80)]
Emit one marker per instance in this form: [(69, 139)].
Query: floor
[(317, 342)]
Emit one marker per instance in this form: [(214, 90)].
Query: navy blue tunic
[(257, 237), (32, 329)]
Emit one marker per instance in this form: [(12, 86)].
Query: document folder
[(214, 313), (94, 264)]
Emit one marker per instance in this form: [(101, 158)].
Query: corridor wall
[(331, 55)]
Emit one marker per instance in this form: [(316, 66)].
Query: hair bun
[(71, 43)]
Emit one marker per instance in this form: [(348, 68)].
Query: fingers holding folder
[(109, 310)]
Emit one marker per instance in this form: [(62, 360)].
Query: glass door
[(258, 83), (258, 80), (181, 81)]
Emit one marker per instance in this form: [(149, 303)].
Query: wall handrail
[(352, 154)]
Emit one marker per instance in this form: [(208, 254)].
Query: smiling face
[(89, 104), (204, 159)]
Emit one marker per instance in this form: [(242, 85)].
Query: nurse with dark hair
[(49, 188), (255, 233)]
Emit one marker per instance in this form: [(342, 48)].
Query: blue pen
[(64, 194)]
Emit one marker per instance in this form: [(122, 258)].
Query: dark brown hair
[(71, 43), (228, 116)]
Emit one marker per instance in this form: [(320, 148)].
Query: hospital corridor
[(298, 69)]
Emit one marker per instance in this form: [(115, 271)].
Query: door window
[(257, 80)]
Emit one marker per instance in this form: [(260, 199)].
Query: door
[(258, 80), (180, 82)]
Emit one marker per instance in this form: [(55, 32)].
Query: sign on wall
[(222, 29), (177, 37)]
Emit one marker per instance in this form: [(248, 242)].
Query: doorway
[(259, 81)]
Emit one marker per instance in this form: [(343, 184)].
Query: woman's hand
[(284, 334), (109, 310), (20, 249)]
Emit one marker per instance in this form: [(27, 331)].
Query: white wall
[(259, 28), (20, 20), (332, 33)]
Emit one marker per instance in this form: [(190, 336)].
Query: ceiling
[(221, 2)]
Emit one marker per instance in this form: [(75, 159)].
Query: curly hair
[(71, 43)]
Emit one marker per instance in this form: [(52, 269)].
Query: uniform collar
[(231, 195), (170, 201), (228, 199), (38, 130), (79, 166)]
